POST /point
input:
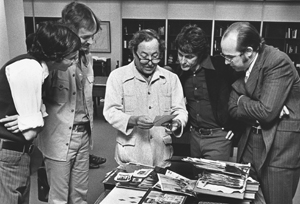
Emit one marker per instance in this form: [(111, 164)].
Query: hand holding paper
[(161, 120)]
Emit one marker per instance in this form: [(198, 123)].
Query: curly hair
[(146, 35), (192, 40), (52, 42)]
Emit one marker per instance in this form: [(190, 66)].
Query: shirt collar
[(251, 66), (206, 64), (45, 69)]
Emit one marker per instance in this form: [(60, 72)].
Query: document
[(161, 119)]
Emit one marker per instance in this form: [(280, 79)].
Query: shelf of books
[(220, 27), (285, 36)]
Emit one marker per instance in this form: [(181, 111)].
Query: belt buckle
[(256, 130), (205, 131), (30, 148)]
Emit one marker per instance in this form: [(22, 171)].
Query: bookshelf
[(220, 27), (130, 26), (286, 37)]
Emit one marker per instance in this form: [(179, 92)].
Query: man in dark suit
[(207, 84), (271, 143)]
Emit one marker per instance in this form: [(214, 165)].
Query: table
[(127, 196), (99, 90)]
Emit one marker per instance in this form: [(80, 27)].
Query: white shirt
[(248, 72), (25, 78)]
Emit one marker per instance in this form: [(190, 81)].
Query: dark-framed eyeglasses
[(146, 61), (230, 58)]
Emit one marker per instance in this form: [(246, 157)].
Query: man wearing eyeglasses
[(270, 141), (207, 83), (135, 95)]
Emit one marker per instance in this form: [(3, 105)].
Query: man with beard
[(135, 95), (206, 83), (271, 86)]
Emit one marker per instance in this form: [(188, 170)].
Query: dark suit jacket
[(273, 83)]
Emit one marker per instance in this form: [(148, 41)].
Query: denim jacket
[(60, 100)]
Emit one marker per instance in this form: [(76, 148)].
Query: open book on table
[(216, 179)]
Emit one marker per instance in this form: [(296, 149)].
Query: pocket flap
[(126, 140), (289, 125)]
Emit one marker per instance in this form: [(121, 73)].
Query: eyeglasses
[(230, 58), (146, 61)]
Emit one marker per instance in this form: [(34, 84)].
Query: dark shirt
[(196, 93)]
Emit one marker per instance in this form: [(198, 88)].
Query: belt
[(80, 127), (204, 131), (16, 146), (256, 129)]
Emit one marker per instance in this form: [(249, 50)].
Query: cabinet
[(220, 27), (285, 37), (130, 26)]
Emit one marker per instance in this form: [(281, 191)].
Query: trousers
[(68, 179), (15, 177)]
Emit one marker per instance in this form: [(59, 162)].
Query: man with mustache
[(138, 92)]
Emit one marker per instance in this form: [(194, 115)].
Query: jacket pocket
[(126, 140), (60, 91), (289, 126)]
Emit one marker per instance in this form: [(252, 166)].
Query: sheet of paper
[(122, 196), (161, 119)]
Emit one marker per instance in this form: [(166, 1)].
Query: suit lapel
[(253, 78)]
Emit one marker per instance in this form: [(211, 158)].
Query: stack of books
[(251, 188), (226, 179)]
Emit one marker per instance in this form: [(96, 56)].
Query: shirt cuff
[(30, 122), (239, 99)]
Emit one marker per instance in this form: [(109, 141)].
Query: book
[(217, 178), (249, 195), (230, 168), (219, 184), (252, 185), (176, 185), (154, 196), (110, 180)]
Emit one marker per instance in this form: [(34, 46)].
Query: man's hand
[(173, 126), (11, 123), (30, 134), (229, 135), (143, 122), (284, 112)]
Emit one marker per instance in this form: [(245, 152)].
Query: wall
[(12, 32), (115, 10), (105, 11), (4, 51)]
